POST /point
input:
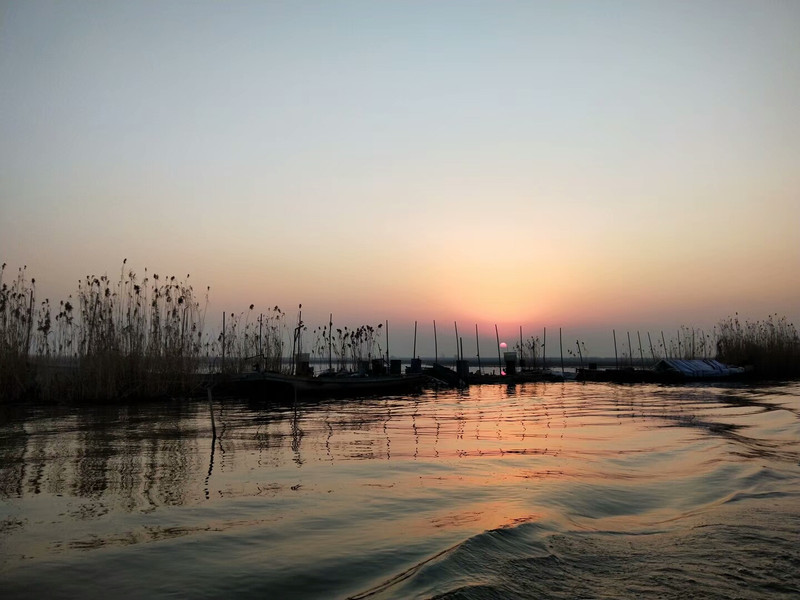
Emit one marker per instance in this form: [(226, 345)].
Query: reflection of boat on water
[(338, 385), (668, 370)]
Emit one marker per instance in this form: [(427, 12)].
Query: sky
[(580, 165)]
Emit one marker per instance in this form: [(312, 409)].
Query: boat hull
[(289, 386)]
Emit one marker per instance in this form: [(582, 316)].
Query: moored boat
[(287, 386), (668, 370)]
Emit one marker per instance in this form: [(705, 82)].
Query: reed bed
[(771, 346), (145, 337), (247, 342), (347, 349), (16, 328), (113, 339)]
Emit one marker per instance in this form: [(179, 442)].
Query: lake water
[(559, 490)]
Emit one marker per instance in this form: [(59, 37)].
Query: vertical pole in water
[(414, 352), (616, 359), (641, 354), (544, 349), (461, 345), (478, 348), (435, 345), (30, 326), (630, 351), (499, 360), (387, 343), (520, 346), (330, 343), (652, 352), (663, 341), (561, 350), (260, 333), (458, 356), (223, 341)]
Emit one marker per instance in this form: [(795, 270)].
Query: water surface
[(556, 490)]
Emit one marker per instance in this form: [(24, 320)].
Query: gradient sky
[(585, 165)]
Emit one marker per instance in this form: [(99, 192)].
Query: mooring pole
[(641, 354), (330, 343), (387, 343), (561, 349), (414, 353), (630, 350), (478, 348), (435, 345), (458, 356), (223, 342), (616, 358), (544, 349), (499, 360), (652, 352), (663, 341)]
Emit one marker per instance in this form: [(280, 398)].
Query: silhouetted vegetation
[(138, 338), (129, 338), (771, 347), (143, 338)]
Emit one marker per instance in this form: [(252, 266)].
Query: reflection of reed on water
[(140, 457), (154, 455)]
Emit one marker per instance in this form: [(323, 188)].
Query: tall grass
[(115, 339), (248, 342), (352, 347), (529, 351), (139, 337), (771, 346), (16, 328)]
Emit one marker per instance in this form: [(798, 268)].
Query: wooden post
[(435, 345), (544, 349), (652, 352), (478, 348), (30, 325), (330, 343), (561, 350), (499, 360), (663, 341), (520, 347), (414, 353), (630, 350), (580, 354), (458, 356), (387, 343), (223, 342), (616, 358), (641, 354)]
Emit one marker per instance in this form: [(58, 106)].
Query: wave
[(705, 557)]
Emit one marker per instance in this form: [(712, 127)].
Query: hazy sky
[(584, 165)]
